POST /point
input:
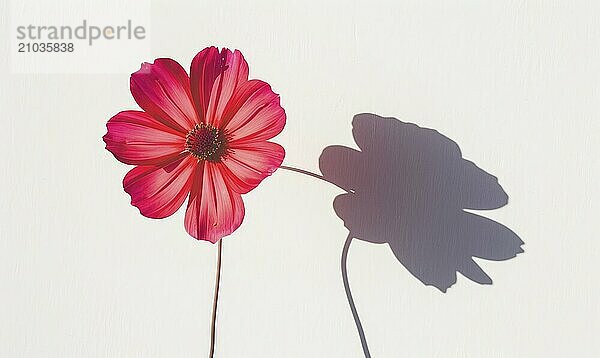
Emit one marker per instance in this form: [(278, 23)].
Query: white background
[(515, 84)]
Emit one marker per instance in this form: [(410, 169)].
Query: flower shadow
[(408, 187)]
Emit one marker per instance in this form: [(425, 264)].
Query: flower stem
[(213, 325), (314, 175)]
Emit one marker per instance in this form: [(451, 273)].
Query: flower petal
[(254, 113), (214, 210), (135, 137), (246, 165), (214, 78), (205, 68), (163, 90), (159, 191)]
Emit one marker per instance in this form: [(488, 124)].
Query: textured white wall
[(514, 83)]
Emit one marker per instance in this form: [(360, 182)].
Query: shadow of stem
[(361, 332), (344, 261)]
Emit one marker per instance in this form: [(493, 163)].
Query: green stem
[(213, 325)]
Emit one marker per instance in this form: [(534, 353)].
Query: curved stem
[(314, 175), (361, 332), (215, 301)]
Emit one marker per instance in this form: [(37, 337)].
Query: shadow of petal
[(483, 191)]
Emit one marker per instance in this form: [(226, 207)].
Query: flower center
[(206, 142)]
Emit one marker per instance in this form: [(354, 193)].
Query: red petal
[(163, 90), (214, 78), (214, 210), (134, 137), (254, 113), (205, 68), (159, 191), (248, 164)]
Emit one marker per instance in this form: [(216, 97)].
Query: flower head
[(203, 137)]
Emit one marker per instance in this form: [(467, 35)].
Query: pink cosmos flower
[(203, 136)]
